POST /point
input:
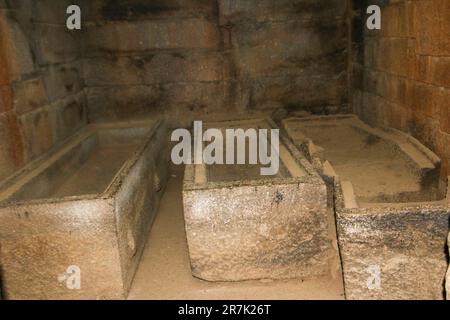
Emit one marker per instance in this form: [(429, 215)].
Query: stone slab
[(50, 222), (257, 228)]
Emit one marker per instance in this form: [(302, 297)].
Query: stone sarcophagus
[(242, 225), (74, 223), (392, 209)]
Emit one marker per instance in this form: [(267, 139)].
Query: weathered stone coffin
[(241, 225), (392, 211), (83, 213)]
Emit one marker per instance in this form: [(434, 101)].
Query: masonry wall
[(402, 73), (179, 59), (183, 58), (41, 86)]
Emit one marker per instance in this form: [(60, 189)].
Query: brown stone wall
[(176, 58), (41, 86), (402, 72), (193, 57)]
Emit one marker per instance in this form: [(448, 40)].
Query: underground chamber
[(91, 90)]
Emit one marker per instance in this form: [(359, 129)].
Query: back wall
[(182, 58)]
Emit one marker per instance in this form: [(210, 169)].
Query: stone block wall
[(288, 54), (175, 58), (41, 82), (178, 59), (402, 72), (184, 58), (152, 58)]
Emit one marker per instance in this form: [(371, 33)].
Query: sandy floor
[(164, 271)]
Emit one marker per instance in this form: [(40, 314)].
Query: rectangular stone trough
[(392, 208), (241, 225), (74, 223)]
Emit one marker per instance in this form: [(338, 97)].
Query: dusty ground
[(164, 271)]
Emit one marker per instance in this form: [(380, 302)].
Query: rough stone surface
[(155, 34), (263, 241), (401, 73), (257, 228), (16, 49), (37, 131), (62, 80), (268, 10), (42, 235), (381, 228), (39, 242), (137, 200), (10, 147), (260, 55), (178, 102), (41, 82), (155, 68), (136, 10), (406, 243), (29, 95), (56, 44)]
